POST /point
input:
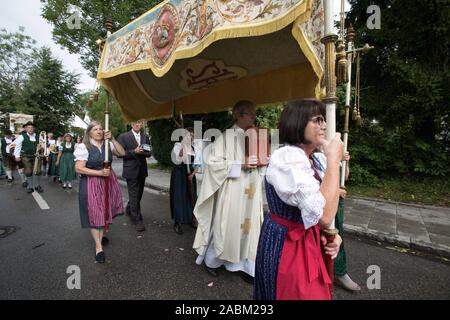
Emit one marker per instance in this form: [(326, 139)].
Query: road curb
[(397, 240), (407, 204), (157, 188), (151, 186)]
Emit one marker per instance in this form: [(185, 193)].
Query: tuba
[(40, 152)]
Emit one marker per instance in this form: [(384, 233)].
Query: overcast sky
[(27, 13)]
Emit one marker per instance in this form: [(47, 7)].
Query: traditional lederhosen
[(27, 155)]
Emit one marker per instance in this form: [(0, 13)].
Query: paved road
[(160, 264)]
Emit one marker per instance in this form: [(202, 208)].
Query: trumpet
[(38, 156)]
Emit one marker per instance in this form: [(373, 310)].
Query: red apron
[(302, 274)]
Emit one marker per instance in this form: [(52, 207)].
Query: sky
[(27, 13)]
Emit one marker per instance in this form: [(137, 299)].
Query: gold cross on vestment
[(250, 191), (246, 226)]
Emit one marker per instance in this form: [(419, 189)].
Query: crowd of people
[(281, 253), (34, 156)]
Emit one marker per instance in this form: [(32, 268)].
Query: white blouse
[(291, 175), (82, 153), (176, 159)]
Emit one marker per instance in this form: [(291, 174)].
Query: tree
[(50, 93), (405, 85), (16, 59), (93, 15), (96, 112)]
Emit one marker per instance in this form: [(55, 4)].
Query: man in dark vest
[(26, 145), (137, 150)]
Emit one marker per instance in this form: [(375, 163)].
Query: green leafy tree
[(93, 15), (50, 93), (267, 116), (97, 112), (405, 85), (16, 59)]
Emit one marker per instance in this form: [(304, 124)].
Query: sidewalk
[(417, 227)]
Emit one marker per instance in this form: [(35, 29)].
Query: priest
[(229, 208)]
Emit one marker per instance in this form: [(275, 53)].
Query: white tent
[(77, 122)]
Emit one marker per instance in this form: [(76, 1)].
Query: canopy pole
[(348, 90), (106, 163), (330, 99)]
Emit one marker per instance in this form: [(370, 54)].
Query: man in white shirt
[(137, 150), (26, 145)]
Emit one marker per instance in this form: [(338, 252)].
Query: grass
[(424, 191)]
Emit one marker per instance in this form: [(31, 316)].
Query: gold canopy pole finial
[(341, 56)]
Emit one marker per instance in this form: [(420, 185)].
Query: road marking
[(147, 189), (40, 201)]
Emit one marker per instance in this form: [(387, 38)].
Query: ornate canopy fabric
[(203, 56)]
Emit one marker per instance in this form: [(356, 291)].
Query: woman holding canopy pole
[(302, 195), (98, 182)]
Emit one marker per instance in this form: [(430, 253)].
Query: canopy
[(203, 56)]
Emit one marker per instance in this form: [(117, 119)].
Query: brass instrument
[(39, 155)]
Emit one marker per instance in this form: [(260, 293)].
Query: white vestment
[(229, 208)]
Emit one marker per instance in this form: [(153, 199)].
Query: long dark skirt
[(52, 168), (182, 196)]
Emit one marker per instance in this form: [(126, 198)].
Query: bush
[(161, 131)]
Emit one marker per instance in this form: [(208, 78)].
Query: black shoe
[(246, 277), (100, 257), (177, 228), (30, 190), (25, 184), (211, 271), (39, 189), (140, 227), (105, 241), (10, 180)]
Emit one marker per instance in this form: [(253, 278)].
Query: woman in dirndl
[(66, 162), (183, 183), (302, 189), (90, 158)]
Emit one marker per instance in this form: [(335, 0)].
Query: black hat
[(29, 123)]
